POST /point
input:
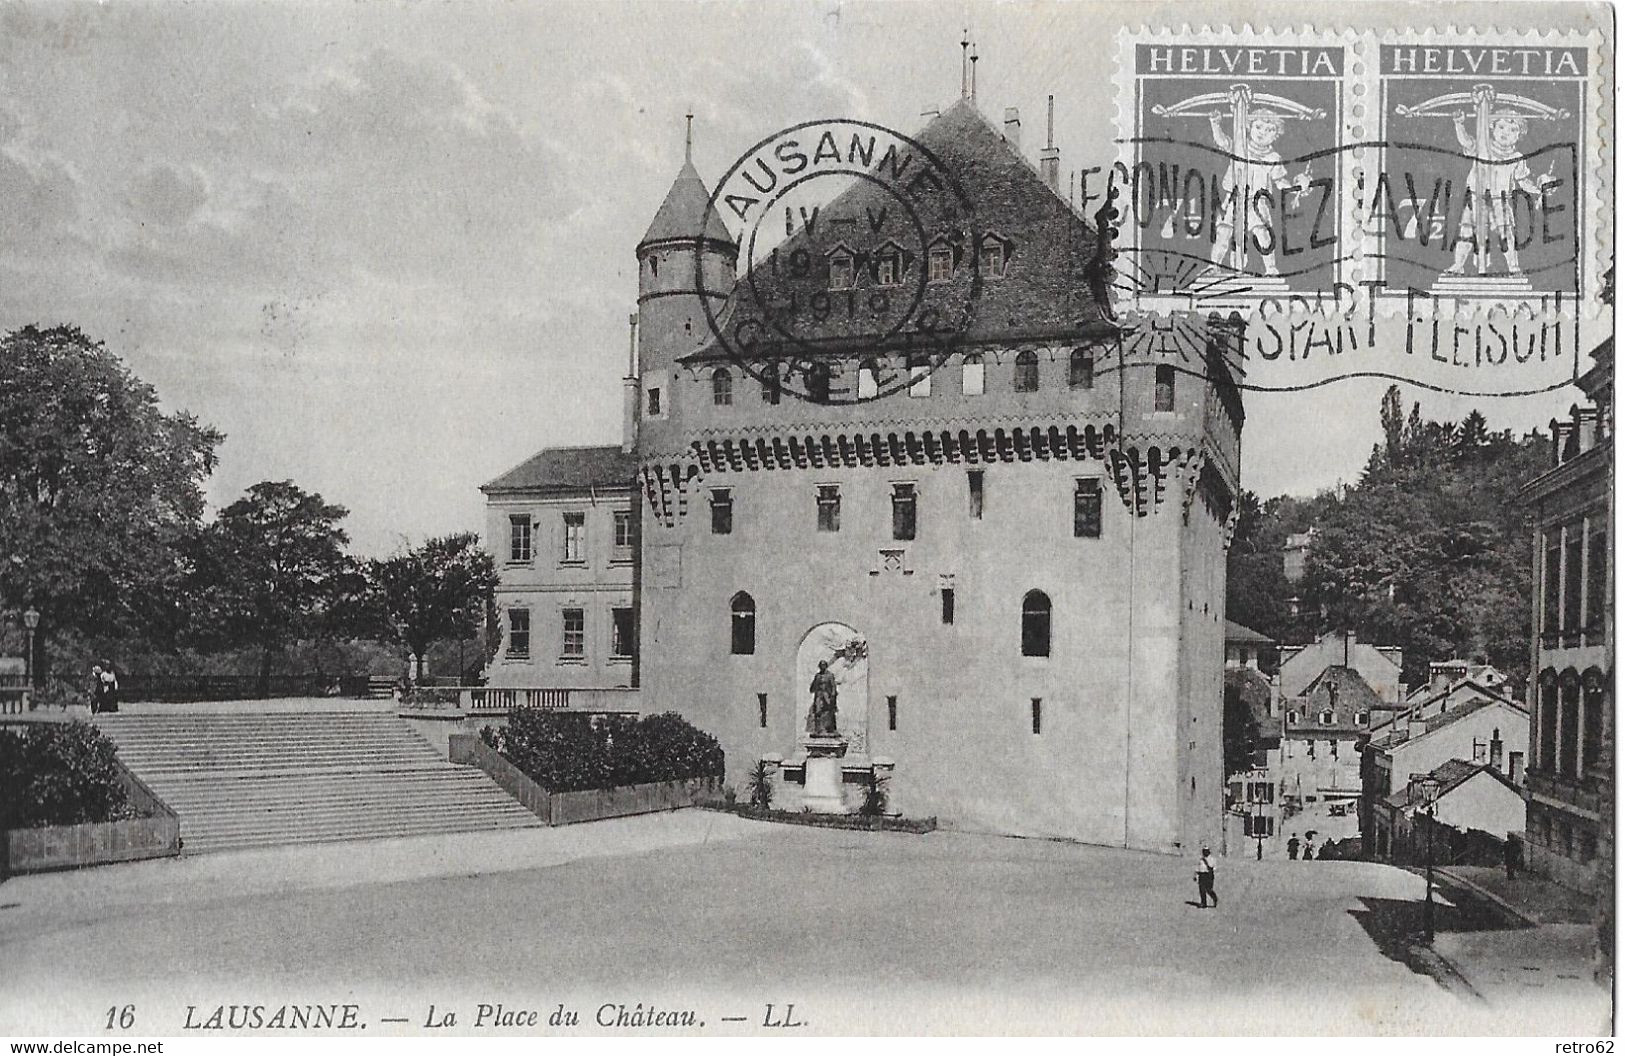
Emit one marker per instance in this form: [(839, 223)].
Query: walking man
[(1292, 847), (1204, 880)]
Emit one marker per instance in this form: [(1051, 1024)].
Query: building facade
[(1015, 561), (1571, 726)]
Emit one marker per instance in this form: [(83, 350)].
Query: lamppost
[(30, 624), (1425, 793), (460, 614)]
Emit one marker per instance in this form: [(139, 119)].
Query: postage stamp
[(1482, 193)]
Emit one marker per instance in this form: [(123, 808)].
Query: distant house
[(1469, 724), (1321, 731), (1243, 646), (1378, 665), (1443, 674), (1469, 797), (1295, 555)]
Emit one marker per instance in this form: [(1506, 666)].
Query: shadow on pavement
[(1395, 925)]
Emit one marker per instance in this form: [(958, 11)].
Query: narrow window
[(761, 710), (1568, 747), (1546, 751), (1026, 379), (919, 376), (722, 387), (1551, 582), (1591, 724), (992, 258), (973, 376), (891, 712), (743, 624), (722, 511), (1038, 714), (620, 633), (1325, 718), (575, 531), (840, 271), (575, 633), (903, 502), (868, 380), (889, 268), (654, 401), (519, 634), (1086, 508), (818, 382), (1081, 373), (1165, 387), (1596, 574), (829, 508), (519, 538), (772, 384), (623, 534), (942, 263), (947, 605), (977, 479), (1573, 558), (1035, 620)]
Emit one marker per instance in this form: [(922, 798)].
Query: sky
[(388, 248)]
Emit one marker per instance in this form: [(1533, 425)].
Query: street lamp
[(1425, 793), (31, 624)]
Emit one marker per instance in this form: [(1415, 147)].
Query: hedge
[(59, 773), (573, 752)]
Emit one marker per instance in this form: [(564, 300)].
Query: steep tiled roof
[(1451, 775), (685, 212), (1235, 632), (1354, 695), (1044, 292), (1397, 730), (567, 468)]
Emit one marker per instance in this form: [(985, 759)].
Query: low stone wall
[(568, 808), (158, 835)]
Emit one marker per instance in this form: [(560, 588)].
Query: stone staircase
[(263, 778)]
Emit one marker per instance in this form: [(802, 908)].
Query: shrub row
[(59, 773), (572, 752)]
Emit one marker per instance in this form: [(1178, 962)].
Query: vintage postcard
[(713, 519)]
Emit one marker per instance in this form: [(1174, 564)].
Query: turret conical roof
[(687, 212)]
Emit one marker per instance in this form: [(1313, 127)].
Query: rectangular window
[(772, 386), (977, 478), (722, 511), (620, 633), (902, 511), (575, 633), (519, 634), (891, 713), (1550, 581), (519, 539), (654, 401), (947, 605), (761, 710), (1596, 572), (1086, 509), (919, 376), (888, 269), (1165, 388), (840, 272), (992, 259), (1573, 568), (623, 533), (1038, 715), (829, 508), (973, 377), (1081, 374), (575, 531), (942, 264)]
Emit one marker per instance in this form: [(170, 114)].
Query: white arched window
[(722, 387), (1026, 379), (972, 376)]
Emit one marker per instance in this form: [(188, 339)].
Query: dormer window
[(889, 266), (941, 263), (841, 271), (994, 256), (1325, 718)]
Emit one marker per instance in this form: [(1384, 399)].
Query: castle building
[(1012, 560)]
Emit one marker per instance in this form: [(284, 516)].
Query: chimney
[(1049, 159), (1495, 748), (1515, 768), (629, 390), (1414, 725), (1012, 126)]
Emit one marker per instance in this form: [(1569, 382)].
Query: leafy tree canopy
[(435, 592)]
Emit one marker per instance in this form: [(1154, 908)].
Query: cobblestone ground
[(863, 932)]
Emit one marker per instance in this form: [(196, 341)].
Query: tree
[(435, 592), (99, 490), (271, 569)]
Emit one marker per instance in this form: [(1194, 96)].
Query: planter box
[(96, 843), (568, 808)]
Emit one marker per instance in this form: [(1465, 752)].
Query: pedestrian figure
[(1292, 847), (1509, 855), (1204, 880), (96, 690), (109, 682), (1308, 850)]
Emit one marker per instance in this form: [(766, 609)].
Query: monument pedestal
[(822, 793)]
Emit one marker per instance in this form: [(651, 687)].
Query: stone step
[(207, 845)]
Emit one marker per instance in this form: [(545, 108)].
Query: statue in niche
[(821, 717)]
